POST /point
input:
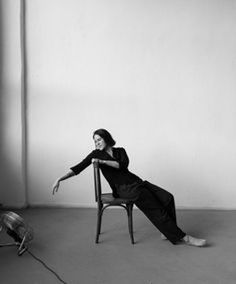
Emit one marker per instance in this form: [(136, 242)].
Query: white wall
[(12, 188), (160, 75)]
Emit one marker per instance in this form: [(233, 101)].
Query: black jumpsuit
[(156, 203)]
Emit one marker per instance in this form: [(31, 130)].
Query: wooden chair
[(105, 200)]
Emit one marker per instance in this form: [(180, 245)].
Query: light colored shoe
[(191, 241), (163, 237)]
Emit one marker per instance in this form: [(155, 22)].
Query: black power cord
[(46, 266), (19, 242)]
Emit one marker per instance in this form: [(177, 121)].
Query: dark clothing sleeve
[(122, 158), (84, 163)]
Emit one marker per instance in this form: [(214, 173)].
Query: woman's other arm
[(121, 162), (110, 163)]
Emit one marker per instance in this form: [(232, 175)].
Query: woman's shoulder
[(119, 151), (97, 152), (119, 148), (94, 154)]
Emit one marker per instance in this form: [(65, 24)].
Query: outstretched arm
[(56, 184), (73, 171)]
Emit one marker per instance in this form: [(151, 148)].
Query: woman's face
[(100, 143)]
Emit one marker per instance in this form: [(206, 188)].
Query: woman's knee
[(146, 200), (170, 200)]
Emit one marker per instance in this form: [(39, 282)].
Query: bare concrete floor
[(64, 240)]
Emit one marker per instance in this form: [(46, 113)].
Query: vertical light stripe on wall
[(24, 96)]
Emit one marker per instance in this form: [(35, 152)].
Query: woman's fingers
[(55, 187)]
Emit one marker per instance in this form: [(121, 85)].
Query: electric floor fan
[(18, 229)]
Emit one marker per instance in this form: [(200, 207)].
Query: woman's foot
[(163, 237), (191, 241)]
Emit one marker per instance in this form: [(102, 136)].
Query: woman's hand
[(55, 186), (113, 164), (98, 161), (95, 160)]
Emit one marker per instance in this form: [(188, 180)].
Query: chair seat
[(108, 198)]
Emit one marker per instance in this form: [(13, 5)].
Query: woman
[(156, 203)]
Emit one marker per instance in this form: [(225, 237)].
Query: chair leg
[(99, 222), (130, 221)]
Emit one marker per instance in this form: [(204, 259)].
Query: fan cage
[(18, 229)]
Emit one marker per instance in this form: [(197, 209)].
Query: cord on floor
[(47, 267)]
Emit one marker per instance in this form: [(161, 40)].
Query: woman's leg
[(159, 206), (164, 197), (161, 215)]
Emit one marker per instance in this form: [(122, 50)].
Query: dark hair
[(105, 135)]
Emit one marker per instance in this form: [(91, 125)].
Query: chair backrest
[(97, 182)]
